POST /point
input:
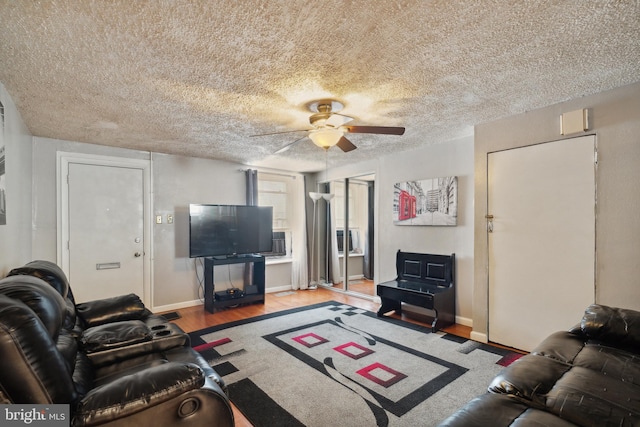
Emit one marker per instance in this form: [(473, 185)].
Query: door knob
[(137, 254)]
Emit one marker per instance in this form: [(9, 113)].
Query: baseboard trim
[(479, 336), (185, 304), (464, 321), (176, 306), (273, 289)]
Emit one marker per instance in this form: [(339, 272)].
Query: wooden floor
[(361, 286), (194, 318)]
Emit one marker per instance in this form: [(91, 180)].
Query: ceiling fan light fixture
[(326, 137)]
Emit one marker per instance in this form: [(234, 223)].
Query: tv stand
[(251, 261)]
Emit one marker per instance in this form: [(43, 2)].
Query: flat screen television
[(229, 230)]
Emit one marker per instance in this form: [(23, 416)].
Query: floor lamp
[(314, 283)]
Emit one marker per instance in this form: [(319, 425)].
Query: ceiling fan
[(329, 127)]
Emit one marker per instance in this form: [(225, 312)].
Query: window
[(275, 190)]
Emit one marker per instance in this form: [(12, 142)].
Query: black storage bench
[(425, 280)]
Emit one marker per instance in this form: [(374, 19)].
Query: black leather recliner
[(42, 362), (93, 313), (112, 329)]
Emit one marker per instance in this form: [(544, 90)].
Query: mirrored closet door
[(346, 235)]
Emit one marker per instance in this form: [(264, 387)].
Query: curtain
[(252, 187), (252, 200), (298, 219), (297, 241), (336, 274), (369, 232)]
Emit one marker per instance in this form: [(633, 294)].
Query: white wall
[(176, 182), (15, 236), (452, 158), (615, 120)]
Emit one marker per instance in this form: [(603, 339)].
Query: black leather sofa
[(110, 329), (118, 371), (588, 376)]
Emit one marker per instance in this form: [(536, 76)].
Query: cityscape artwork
[(426, 202)]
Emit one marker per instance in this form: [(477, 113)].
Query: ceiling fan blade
[(382, 130), (288, 146), (345, 145), (337, 120), (278, 133)]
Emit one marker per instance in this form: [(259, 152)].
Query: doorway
[(541, 236), (103, 231)]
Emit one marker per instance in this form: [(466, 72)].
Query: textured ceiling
[(198, 78)]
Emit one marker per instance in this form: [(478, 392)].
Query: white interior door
[(542, 247), (104, 228)]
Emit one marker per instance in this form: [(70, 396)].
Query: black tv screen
[(227, 230)]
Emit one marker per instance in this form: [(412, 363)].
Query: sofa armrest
[(115, 309), (117, 341), (114, 335), (134, 393)]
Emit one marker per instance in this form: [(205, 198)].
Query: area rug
[(332, 364)]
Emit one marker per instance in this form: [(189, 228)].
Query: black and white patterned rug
[(332, 364)]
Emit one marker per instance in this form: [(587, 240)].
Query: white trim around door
[(63, 160)]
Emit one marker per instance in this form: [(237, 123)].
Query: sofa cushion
[(45, 302), (610, 361), (55, 277), (618, 326), (47, 271), (529, 378), (501, 410), (32, 370), (591, 399), (562, 346)]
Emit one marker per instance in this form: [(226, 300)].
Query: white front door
[(542, 247), (105, 229)]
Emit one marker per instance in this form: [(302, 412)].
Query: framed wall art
[(3, 175), (426, 202)]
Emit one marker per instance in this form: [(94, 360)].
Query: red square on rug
[(381, 374), (212, 344), (353, 350), (310, 340)]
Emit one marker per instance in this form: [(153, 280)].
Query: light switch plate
[(158, 219), (169, 219)]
